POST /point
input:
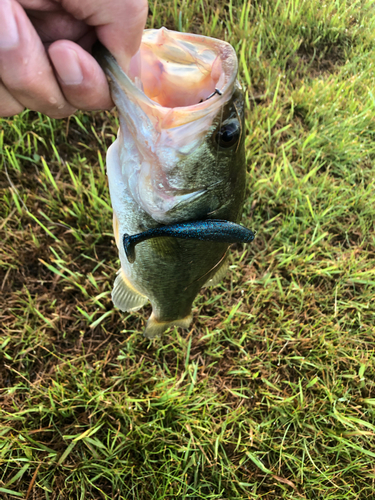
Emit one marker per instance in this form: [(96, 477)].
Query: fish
[(176, 172)]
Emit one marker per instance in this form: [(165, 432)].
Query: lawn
[(271, 393)]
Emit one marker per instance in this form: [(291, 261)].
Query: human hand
[(44, 60)]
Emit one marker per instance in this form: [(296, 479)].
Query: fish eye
[(228, 135)]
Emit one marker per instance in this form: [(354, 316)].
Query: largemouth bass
[(176, 172)]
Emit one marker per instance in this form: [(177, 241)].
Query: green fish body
[(179, 157)]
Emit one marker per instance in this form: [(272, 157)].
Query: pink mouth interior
[(172, 84)]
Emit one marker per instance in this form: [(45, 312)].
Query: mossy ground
[(271, 393)]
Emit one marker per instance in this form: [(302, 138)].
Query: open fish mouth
[(176, 70), (179, 84)]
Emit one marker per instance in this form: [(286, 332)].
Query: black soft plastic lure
[(205, 230)]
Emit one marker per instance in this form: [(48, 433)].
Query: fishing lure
[(205, 230)]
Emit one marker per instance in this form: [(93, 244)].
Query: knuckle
[(27, 84)]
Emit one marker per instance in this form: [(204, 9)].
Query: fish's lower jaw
[(155, 328)]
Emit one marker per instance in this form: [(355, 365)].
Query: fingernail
[(68, 67), (8, 32)]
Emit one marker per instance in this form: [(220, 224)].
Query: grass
[(271, 393)]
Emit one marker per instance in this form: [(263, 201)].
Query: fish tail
[(155, 328), (129, 248)]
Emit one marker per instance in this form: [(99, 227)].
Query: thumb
[(118, 24)]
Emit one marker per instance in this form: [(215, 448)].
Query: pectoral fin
[(125, 296)]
